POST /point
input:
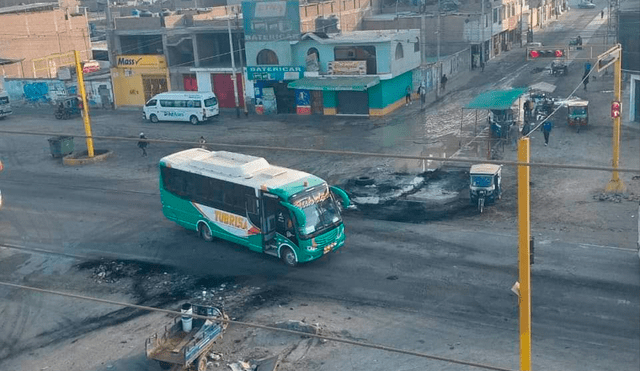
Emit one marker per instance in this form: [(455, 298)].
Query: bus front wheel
[(205, 232), (288, 257)]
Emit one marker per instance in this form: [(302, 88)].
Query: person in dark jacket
[(142, 144), (443, 82), (546, 130)]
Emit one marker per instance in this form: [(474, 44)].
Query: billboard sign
[(277, 73), (271, 20)]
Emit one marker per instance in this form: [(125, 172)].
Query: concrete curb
[(81, 158)]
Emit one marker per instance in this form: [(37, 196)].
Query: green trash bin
[(61, 146)]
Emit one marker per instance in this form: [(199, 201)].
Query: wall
[(390, 94), (37, 92), (40, 34), (281, 48), (411, 59), (34, 91), (349, 12)]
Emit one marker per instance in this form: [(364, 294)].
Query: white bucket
[(186, 317)]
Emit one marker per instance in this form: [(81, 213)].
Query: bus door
[(270, 203), (284, 224)]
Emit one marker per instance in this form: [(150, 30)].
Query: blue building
[(360, 72)]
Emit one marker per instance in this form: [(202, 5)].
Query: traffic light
[(546, 53), (615, 109)]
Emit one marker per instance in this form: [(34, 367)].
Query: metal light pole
[(439, 66), (240, 51), (233, 66)]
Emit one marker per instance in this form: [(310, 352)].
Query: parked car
[(586, 5)]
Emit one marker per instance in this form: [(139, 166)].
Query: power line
[(341, 153), (264, 327)]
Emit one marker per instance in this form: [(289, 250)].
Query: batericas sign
[(347, 68), (275, 73), (271, 20)]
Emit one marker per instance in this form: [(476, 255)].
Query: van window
[(166, 103), (210, 102), (151, 103), (194, 103)]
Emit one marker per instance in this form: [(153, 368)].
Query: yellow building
[(137, 78)]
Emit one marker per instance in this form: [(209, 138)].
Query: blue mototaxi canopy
[(496, 99)]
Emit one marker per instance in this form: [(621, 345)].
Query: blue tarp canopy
[(496, 99)]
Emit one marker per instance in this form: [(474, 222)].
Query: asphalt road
[(436, 283)]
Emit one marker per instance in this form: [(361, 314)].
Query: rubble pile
[(616, 197)]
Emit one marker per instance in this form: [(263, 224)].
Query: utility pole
[(439, 66), (524, 257), (616, 185), (482, 24), (241, 52), (85, 104), (233, 67)]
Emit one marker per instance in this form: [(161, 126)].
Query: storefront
[(270, 85), (362, 95), (340, 95), (220, 81), (137, 78)]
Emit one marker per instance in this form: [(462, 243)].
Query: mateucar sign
[(271, 20), (277, 73)]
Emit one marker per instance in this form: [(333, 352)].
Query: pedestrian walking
[(443, 82), (482, 66), (202, 142), (407, 98), (423, 94), (585, 80), (514, 136), (527, 110), (602, 14), (142, 144), (546, 130)]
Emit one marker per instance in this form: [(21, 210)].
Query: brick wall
[(349, 12), (40, 34)]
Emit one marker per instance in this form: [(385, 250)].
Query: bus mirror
[(343, 196), (299, 214)]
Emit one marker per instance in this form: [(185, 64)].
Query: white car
[(586, 5)]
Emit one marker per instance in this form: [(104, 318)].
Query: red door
[(190, 83), (223, 88)]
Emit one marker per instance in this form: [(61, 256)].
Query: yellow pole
[(616, 185), (524, 269), (85, 105)]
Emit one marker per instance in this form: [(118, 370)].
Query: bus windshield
[(320, 210)]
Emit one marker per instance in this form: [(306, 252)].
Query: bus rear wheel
[(205, 232), (288, 257), (194, 120)]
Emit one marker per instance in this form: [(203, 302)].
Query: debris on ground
[(299, 326), (616, 197)]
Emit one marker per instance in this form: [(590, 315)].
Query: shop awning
[(336, 83), (496, 99)]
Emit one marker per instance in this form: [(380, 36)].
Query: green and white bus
[(243, 199)]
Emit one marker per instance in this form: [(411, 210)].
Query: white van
[(191, 106), (5, 106)]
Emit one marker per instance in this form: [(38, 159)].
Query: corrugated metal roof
[(496, 99), (28, 7)]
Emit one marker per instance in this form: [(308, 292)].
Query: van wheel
[(194, 120), (288, 257), (205, 232), (153, 118)]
